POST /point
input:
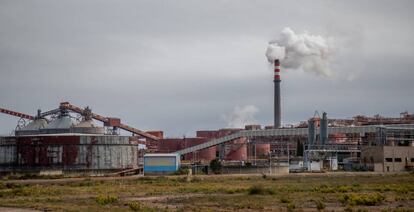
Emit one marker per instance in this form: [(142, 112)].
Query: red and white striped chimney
[(277, 107), (277, 70)]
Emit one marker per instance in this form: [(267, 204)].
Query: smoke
[(310, 53), (241, 116)]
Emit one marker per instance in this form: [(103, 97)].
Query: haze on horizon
[(182, 66)]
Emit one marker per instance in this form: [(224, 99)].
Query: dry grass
[(217, 193)]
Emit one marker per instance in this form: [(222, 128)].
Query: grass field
[(340, 192)]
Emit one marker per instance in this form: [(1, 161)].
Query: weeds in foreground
[(284, 200), (137, 206), (106, 199), (260, 190), (291, 206), (320, 205), (336, 189), (361, 199)]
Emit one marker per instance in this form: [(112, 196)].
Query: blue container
[(156, 164)]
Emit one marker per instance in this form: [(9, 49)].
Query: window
[(388, 159), (412, 159), (54, 154), (397, 159)]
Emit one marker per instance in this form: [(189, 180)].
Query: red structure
[(262, 149), (168, 145), (17, 114)]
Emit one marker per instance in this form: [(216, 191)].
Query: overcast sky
[(180, 66)]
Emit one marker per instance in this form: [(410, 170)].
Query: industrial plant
[(67, 141)]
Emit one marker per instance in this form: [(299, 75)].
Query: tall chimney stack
[(277, 108)]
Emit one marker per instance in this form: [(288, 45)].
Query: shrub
[(320, 205), (362, 199), (2, 185), (259, 190), (325, 189), (284, 200), (136, 206), (215, 166), (291, 206), (348, 209), (106, 199), (344, 189), (182, 171)]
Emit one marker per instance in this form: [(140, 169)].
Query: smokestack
[(277, 120)]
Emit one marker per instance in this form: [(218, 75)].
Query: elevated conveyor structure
[(290, 132), (106, 120), (17, 114)]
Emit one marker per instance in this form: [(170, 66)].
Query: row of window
[(398, 160)]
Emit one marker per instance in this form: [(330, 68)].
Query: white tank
[(87, 127), (33, 127)]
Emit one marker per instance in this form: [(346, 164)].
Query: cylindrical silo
[(262, 150), (236, 150)]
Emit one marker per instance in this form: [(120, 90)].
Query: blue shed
[(161, 163)]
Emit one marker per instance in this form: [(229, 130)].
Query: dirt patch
[(9, 209)]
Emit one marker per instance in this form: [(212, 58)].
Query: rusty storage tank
[(235, 150), (262, 149), (67, 154), (33, 127), (205, 155)]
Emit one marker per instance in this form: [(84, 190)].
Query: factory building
[(54, 142), (388, 158), (392, 151), (70, 153)]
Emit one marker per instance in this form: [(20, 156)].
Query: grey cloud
[(180, 65)]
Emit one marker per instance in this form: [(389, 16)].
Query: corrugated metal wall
[(68, 152)]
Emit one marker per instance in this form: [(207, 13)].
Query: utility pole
[(270, 162), (288, 153)]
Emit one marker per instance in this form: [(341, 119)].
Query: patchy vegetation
[(260, 190), (136, 206), (106, 199), (344, 192), (362, 199)]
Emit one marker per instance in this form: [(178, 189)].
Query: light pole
[(270, 162)]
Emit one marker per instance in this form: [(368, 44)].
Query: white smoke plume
[(301, 51), (241, 116)]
